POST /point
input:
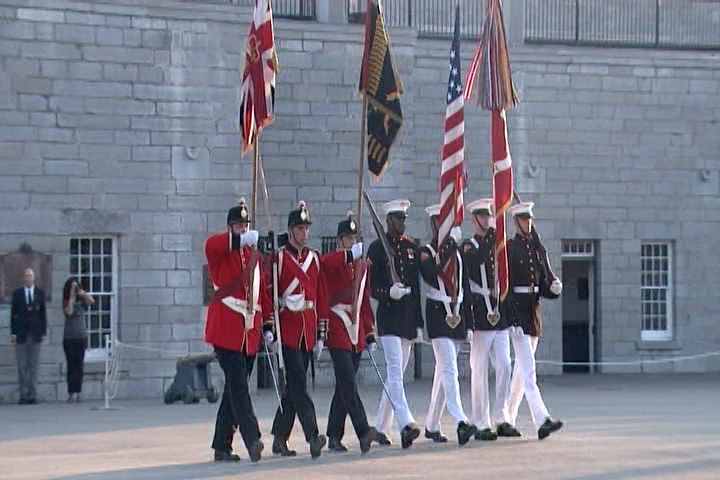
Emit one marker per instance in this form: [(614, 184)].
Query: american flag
[(452, 169), (257, 100)]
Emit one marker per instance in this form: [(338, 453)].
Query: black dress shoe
[(367, 439), (22, 401), (408, 435), (280, 447), (507, 430), (32, 401), (465, 432), (226, 456), (336, 445), (486, 434), (316, 445), (436, 437), (550, 426), (255, 451), (380, 438)]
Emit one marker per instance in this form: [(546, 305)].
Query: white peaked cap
[(482, 204), (522, 208), (433, 210), (394, 206)]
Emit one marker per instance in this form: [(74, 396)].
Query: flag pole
[(361, 162)]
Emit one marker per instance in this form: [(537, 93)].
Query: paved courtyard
[(617, 427)]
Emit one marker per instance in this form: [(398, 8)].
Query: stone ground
[(617, 427)]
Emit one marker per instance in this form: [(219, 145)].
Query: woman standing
[(75, 301)]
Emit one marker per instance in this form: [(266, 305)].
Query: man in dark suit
[(28, 327)]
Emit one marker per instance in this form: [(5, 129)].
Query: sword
[(272, 373), (382, 382)]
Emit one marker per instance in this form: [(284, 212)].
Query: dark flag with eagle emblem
[(381, 86), (257, 101)]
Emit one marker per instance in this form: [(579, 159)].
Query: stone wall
[(122, 119)]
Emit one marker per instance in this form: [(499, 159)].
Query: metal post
[(106, 388)]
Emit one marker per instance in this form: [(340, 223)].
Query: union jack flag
[(257, 96)]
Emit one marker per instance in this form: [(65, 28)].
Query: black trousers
[(296, 400), (236, 410), (346, 399), (75, 357)]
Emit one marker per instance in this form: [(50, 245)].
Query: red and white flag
[(257, 96), (452, 170)]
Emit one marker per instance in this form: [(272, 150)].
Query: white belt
[(483, 289), (343, 311), (296, 303), (438, 296), (526, 289)]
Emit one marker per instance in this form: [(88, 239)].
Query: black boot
[(367, 439), (336, 445), (381, 439), (226, 456), (316, 445), (486, 434), (550, 426), (436, 437), (465, 432), (408, 435), (507, 430), (255, 451), (280, 447)]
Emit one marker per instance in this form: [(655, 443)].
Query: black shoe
[(32, 401), (382, 439), (336, 445), (507, 430), (408, 435), (316, 445), (23, 401), (465, 432), (550, 426), (367, 439), (255, 451), (280, 447), (436, 437), (226, 456), (486, 434)]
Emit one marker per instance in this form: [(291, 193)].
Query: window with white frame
[(657, 291), (94, 261)]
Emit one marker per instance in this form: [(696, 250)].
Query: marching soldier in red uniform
[(530, 279), (303, 306), (233, 328), (350, 330)]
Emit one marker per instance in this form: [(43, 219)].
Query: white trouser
[(483, 341), (397, 355), (524, 379), (445, 389)]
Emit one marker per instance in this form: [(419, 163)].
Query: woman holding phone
[(75, 303)]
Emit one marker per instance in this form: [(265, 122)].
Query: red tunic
[(299, 328), (225, 326), (338, 278)]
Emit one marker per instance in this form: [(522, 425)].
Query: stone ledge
[(659, 345)]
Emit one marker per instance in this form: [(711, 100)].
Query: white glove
[(372, 347), (357, 250), (456, 234), (250, 238), (319, 348), (419, 338), (398, 290), (469, 336), (268, 337), (556, 287)]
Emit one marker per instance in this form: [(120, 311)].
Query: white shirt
[(29, 294)]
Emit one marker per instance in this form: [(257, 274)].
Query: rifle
[(382, 236), (276, 312)]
